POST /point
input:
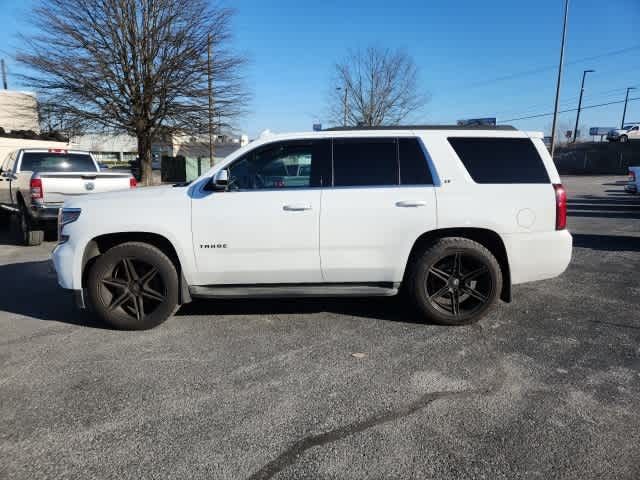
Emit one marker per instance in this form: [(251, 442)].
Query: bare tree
[(135, 66), (375, 87)]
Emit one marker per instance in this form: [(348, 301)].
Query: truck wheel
[(455, 281), (28, 235), (133, 286)]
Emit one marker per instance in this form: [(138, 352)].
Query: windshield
[(57, 162)]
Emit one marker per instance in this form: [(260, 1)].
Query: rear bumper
[(631, 188), (538, 256), (45, 212)]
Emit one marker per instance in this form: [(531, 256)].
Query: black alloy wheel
[(459, 285), (454, 281), (133, 286)]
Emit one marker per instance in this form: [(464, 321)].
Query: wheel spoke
[(129, 269), (457, 264), (439, 293), (119, 300), (138, 306), (147, 277), (474, 293), (455, 303), (115, 282), (153, 294), (441, 274), (474, 273)]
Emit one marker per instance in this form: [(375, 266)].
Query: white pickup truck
[(34, 183), (633, 185)]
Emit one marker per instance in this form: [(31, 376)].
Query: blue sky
[(461, 47)]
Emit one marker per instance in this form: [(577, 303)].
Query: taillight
[(37, 193), (561, 206), (132, 182)]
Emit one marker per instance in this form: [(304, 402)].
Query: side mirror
[(219, 181)]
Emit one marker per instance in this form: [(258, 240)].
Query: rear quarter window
[(500, 160)]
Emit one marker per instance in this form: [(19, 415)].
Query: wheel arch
[(485, 237), (102, 243)]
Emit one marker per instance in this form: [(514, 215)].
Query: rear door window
[(365, 162), (57, 162), (500, 160)]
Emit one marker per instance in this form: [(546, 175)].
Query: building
[(18, 111)]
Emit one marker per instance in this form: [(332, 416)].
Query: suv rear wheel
[(133, 286), (455, 281)]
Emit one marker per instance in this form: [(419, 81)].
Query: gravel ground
[(544, 387)]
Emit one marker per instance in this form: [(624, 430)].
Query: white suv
[(453, 216)]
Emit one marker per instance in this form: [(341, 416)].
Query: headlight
[(65, 217)]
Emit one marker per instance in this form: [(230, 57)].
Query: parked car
[(34, 184), (453, 216), (624, 134), (633, 185)]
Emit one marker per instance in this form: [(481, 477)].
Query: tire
[(133, 286), (28, 235), (455, 281), (624, 139)]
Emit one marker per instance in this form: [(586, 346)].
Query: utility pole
[(575, 130), (555, 109), (624, 112), (210, 83), (4, 74)]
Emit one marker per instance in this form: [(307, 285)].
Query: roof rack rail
[(423, 127)]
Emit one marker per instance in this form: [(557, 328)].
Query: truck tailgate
[(58, 186)]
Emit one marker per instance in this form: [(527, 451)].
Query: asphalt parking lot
[(545, 387)]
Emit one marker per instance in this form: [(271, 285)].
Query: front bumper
[(57, 265)]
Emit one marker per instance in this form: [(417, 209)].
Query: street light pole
[(555, 109), (575, 130), (210, 92), (626, 100)]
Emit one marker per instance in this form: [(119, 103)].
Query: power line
[(548, 67), (566, 111)]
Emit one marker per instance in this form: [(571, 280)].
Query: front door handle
[(411, 203), (296, 207)]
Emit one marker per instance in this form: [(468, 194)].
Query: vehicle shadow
[(32, 291), (395, 309), (609, 243)]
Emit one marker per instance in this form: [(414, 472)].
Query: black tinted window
[(500, 160), (57, 162), (364, 162), (414, 169), (296, 164)]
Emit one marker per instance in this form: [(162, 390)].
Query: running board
[(296, 290)]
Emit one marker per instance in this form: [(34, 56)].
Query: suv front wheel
[(133, 286), (455, 281)]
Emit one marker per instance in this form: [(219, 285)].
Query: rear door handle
[(296, 207), (411, 203)]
